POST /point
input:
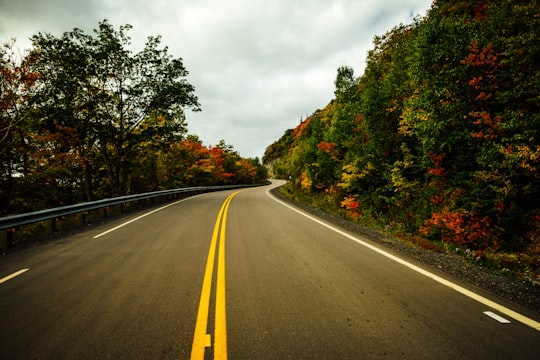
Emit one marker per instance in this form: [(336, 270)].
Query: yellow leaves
[(348, 176), (326, 114), (398, 181), (529, 157), (352, 173), (495, 181), (405, 127), (421, 115), (526, 157), (409, 118), (305, 182)]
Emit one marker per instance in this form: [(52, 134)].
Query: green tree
[(115, 92), (345, 80)]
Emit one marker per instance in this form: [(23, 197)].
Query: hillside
[(439, 139)]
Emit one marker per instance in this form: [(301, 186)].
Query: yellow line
[(220, 331), (200, 338)]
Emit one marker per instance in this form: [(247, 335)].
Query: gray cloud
[(258, 66)]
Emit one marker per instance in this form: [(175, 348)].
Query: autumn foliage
[(83, 118), (439, 137)]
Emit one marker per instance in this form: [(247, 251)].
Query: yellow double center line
[(201, 339)]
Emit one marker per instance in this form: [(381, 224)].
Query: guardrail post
[(115, 209), (7, 238), (3, 239), (80, 218), (49, 226)]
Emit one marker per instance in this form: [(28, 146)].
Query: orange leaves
[(489, 126), (351, 206), (476, 81), (329, 148), (326, 147), (245, 171), (202, 165), (58, 150), (301, 130), (460, 227), (481, 57), (210, 161), (482, 63)]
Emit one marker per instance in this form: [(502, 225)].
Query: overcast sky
[(258, 66)]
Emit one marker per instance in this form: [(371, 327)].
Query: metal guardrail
[(43, 215)]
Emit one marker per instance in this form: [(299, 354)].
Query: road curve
[(279, 286)]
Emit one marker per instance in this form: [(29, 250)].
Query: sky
[(258, 66)]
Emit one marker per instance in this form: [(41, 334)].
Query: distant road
[(241, 275)]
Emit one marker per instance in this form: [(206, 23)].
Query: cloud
[(258, 66)]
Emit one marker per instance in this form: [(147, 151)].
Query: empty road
[(240, 275)]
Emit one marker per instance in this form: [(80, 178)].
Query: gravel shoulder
[(519, 292)]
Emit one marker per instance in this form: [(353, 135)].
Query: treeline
[(440, 137), (83, 118)]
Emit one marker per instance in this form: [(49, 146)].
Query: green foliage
[(109, 96), (440, 136), (344, 80), (82, 117)]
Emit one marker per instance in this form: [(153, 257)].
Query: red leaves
[(489, 126), (351, 205), (437, 169), (204, 165), (437, 200), (482, 63), (481, 57), (480, 11), (460, 227)]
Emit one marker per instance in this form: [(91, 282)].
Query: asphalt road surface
[(241, 275)]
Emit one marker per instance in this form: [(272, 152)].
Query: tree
[(112, 93), (17, 95), (344, 80)]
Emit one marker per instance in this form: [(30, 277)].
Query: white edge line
[(143, 215), (515, 315), (9, 277)]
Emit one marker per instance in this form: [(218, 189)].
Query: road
[(241, 275)]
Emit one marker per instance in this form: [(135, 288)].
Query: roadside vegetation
[(82, 118), (438, 142)]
